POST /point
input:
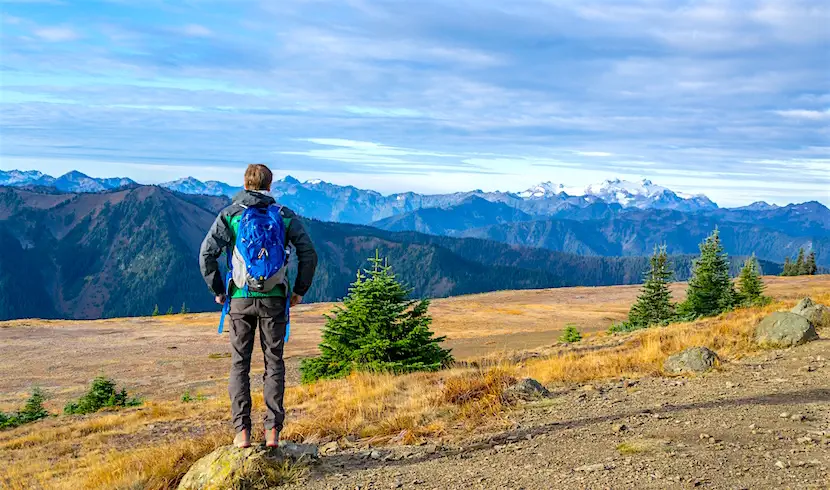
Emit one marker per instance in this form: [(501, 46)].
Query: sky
[(727, 98)]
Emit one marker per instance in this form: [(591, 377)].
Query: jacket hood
[(253, 199)]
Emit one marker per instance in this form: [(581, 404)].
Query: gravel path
[(763, 422)]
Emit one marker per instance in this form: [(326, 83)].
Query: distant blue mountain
[(71, 182)]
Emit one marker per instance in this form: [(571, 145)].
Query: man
[(249, 309)]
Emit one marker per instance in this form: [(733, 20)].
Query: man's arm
[(306, 255), (217, 241)]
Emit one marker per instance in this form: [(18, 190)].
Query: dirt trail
[(763, 422)]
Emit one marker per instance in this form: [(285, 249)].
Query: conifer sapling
[(710, 290), (750, 285), (654, 305), (378, 328)]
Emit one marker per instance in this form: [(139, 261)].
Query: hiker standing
[(255, 233)]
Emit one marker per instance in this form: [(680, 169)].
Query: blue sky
[(727, 98)]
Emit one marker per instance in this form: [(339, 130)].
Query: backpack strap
[(226, 308)]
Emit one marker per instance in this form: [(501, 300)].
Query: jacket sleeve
[(306, 255), (218, 240)]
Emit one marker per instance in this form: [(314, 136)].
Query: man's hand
[(220, 299), (296, 299)]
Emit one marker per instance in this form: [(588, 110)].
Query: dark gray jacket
[(221, 238)]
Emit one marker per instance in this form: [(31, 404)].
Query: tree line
[(710, 292), (801, 266)]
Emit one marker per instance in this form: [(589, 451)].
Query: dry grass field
[(160, 358)]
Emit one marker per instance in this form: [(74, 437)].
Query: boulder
[(817, 314), (691, 360), (784, 329), (527, 389), (256, 467)]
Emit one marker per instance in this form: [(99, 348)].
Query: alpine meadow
[(441, 245)]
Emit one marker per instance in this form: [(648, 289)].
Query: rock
[(527, 389), (817, 314), (780, 464), (691, 360), (330, 448), (230, 467), (784, 329), (618, 428), (593, 468)]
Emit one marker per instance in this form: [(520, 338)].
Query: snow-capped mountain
[(71, 182), (190, 185), (758, 206), (21, 178), (544, 190), (642, 195)]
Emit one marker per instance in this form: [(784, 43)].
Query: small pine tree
[(170, 310), (750, 285), (788, 267), (800, 267), (156, 310), (183, 310), (654, 304), (377, 329), (812, 268), (570, 334), (710, 290)]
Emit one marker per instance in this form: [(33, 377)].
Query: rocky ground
[(762, 422)]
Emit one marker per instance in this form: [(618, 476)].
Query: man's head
[(258, 177)]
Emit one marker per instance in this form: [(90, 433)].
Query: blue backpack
[(260, 256)]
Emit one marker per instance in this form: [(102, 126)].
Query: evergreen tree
[(750, 285), (654, 305), (570, 334), (788, 267), (799, 269), (184, 309), (812, 268), (156, 310), (170, 310), (377, 329), (710, 290)]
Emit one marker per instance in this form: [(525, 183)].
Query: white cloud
[(805, 114), (594, 153), (56, 34), (196, 30)]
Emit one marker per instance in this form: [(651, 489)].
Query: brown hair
[(258, 177)]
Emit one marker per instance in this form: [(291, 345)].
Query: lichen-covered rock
[(691, 360), (251, 469), (817, 314), (527, 389), (784, 329)]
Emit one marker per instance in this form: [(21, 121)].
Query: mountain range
[(329, 202), (609, 230), (122, 252)]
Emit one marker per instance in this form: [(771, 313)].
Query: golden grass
[(109, 451)]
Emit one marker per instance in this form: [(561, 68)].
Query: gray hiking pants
[(246, 314)]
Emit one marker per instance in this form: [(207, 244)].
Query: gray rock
[(691, 360), (784, 329), (593, 468), (527, 389), (231, 467), (817, 314)]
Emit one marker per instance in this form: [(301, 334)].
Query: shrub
[(570, 334), (31, 412), (625, 327), (102, 394), (377, 329), (187, 397)]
